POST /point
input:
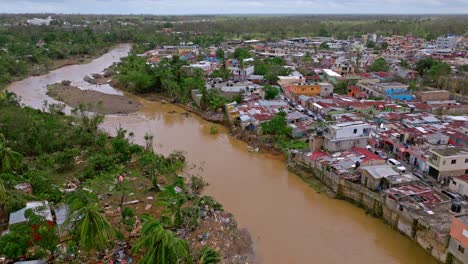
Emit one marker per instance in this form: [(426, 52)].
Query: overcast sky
[(164, 7)]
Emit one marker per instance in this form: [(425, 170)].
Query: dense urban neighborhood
[(380, 120)]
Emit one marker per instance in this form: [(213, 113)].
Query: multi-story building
[(293, 91), (447, 162), (458, 245), (240, 74), (345, 136), (447, 42)]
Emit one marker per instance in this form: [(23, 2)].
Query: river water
[(288, 220)]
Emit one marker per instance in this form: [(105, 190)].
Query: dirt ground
[(93, 100)]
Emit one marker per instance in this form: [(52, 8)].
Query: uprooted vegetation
[(123, 201)]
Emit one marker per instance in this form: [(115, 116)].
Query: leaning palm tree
[(88, 224), (3, 196), (208, 256), (160, 245), (10, 160)]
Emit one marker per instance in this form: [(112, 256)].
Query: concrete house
[(450, 161), (459, 184), (458, 245), (381, 177), (345, 136)]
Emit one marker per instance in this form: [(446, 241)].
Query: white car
[(401, 169), (394, 162), (300, 108)]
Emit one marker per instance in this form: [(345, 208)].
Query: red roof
[(365, 75), (369, 155), (382, 74), (316, 155), (313, 77)]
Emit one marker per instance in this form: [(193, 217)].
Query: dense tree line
[(168, 77)]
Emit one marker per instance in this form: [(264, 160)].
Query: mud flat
[(92, 100)]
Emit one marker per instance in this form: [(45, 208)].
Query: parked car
[(394, 162), (300, 108), (401, 169), (381, 154), (422, 178), (453, 196)]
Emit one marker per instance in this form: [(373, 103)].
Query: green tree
[(384, 45), (277, 125), (379, 64), (89, 226), (36, 235), (432, 70), (324, 45), (173, 200), (208, 255), (241, 54), (323, 33), (404, 63), (9, 160), (341, 87), (220, 54), (160, 245), (3, 196), (423, 65), (16, 243), (271, 92), (371, 44), (149, 162)]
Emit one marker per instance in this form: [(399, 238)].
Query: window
[(461, 249), (454, 162), (466, 160), (355, 131)]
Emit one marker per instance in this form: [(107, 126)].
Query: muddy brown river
[(288, 220)]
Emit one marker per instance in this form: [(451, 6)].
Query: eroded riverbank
[(289, 221)]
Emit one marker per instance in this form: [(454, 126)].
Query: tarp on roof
[(244, 118)]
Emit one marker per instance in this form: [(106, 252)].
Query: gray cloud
[(236, 6)]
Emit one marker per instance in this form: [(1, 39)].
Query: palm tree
[(149, 163), (160, 245), (357, 49), (208, 256), (8, 98), (3, 196), (173, 200), (89, 225), (9, 160)]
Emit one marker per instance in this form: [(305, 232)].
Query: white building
[(459, 184), (447, 42), (345, 136), (39, 21)]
